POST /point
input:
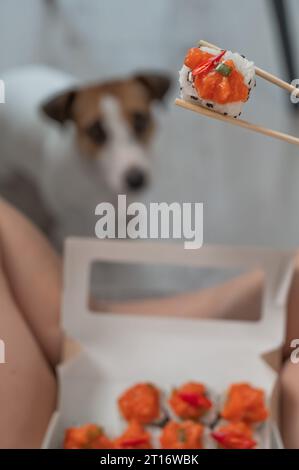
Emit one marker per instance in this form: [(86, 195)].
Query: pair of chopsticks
[(240, 122)]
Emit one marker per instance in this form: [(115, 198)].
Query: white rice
[(189, 92)]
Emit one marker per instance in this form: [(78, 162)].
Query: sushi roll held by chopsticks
[(216, 83), (218, 80)]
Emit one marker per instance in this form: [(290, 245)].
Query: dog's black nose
[(135, 179)]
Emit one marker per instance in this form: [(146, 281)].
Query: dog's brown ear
[(60, 107), (157, 84)]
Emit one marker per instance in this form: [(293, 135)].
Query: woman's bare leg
[(237, 298), (290, 405), (30, 283), (33, 273), (29, 308), (27, 384)]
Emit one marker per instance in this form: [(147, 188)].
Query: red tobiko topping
[(196, 400), (207, 65)]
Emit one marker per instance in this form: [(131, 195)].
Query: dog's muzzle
[(136, 179)]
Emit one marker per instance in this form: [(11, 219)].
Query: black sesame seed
[(225, 114), (242, 55), (249, 83), (240, 114), (210, 105), (194, 98), (235, 117)]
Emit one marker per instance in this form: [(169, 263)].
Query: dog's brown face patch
[(83, 107), (87, 113)]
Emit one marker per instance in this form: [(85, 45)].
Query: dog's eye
[(97, 133), (141, 122)]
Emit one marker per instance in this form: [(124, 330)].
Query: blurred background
[(248, 183)]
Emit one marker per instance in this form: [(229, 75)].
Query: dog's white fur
[(122, 151), (70, 185)]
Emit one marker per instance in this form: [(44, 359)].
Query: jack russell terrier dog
[(81, 144)]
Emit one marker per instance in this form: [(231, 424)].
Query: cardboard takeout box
[(118, 350)]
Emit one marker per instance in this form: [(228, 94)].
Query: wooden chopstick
[(262, 73), (240, 122), (237, 122)]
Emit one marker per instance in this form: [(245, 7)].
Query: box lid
[(87, 327)]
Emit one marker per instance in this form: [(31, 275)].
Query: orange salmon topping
[(245, 403), (190, 401), (135, 437), (89, 436), (185, 435), (212, 86), (235, 436), (195, 57), (140, 403)]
